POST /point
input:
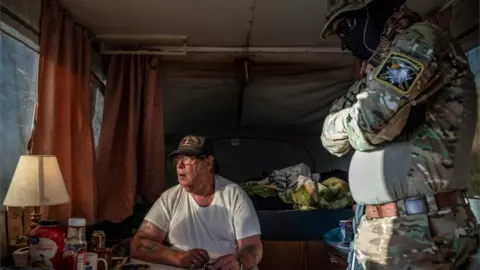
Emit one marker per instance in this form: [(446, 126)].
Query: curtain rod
[(194, 49), (268, 49)]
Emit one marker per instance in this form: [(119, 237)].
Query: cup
[(93, 260), (106, 254), (20, 257)]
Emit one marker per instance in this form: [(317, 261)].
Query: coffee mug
[(20, 257), (106, 254), (93, 260)]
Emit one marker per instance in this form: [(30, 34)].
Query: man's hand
[(227, 262), (193, 259)]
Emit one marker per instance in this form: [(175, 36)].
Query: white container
[(20, 257)]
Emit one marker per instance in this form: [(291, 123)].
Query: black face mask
[(360, 31)]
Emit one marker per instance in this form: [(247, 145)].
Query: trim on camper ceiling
[(268, 49), (105, 37), (117, 40), (161, 50)]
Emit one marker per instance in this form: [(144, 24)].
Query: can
[(346, 229), (98, 239)]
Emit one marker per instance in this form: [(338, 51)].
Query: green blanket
[(332, 193)]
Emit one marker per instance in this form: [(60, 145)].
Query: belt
[(417, 205)]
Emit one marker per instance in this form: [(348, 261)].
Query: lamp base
[(35, 217)]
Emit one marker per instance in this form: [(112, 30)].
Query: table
[(163, 267), (158, 266)]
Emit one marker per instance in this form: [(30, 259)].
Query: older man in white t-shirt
[(206, 218)]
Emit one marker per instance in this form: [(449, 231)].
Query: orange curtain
[(63, 124), (130, 151)]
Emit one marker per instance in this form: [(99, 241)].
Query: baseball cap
[(335, 8), (192, 145)]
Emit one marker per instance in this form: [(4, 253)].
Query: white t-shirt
[(215, 228)]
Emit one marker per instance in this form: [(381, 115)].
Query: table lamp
[(37, 182)]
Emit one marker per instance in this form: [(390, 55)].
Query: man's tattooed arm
[(250, 251), (147, 245)]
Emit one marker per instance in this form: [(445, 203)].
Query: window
[(474, 61), (18, 94), (98, 111), (97, 84)]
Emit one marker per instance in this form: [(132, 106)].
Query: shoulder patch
[(400, 72)]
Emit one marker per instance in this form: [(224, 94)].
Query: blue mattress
[(294, 225)]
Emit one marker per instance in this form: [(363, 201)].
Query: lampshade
[(37, 181)]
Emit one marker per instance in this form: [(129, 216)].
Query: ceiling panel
[(425, 7), (285, 23), (205, 23), (276, 23)]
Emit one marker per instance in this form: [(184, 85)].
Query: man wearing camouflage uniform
[(411, 120)]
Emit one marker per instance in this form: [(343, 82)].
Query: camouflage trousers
[(447, 239)]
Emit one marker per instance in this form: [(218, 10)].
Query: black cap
[(192, 145)]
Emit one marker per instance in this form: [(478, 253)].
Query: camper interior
[(254, 76)]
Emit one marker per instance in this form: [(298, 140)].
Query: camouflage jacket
[(423, 67)]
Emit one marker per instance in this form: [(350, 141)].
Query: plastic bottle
[(46, 245), (74, 254)]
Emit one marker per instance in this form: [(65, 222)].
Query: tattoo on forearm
[(251, 249), (147, 246), (249, 252), (146, 238)]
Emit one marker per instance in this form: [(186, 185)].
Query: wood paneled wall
[(304, 255)]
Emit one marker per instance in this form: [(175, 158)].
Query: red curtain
[(130, 153), (63, 125)]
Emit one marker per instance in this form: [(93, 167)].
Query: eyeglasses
[(345, 26), (185, 160)]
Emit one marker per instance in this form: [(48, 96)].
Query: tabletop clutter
[(340, 237), (51, 247)]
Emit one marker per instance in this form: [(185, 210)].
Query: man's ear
[(211, 160)]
